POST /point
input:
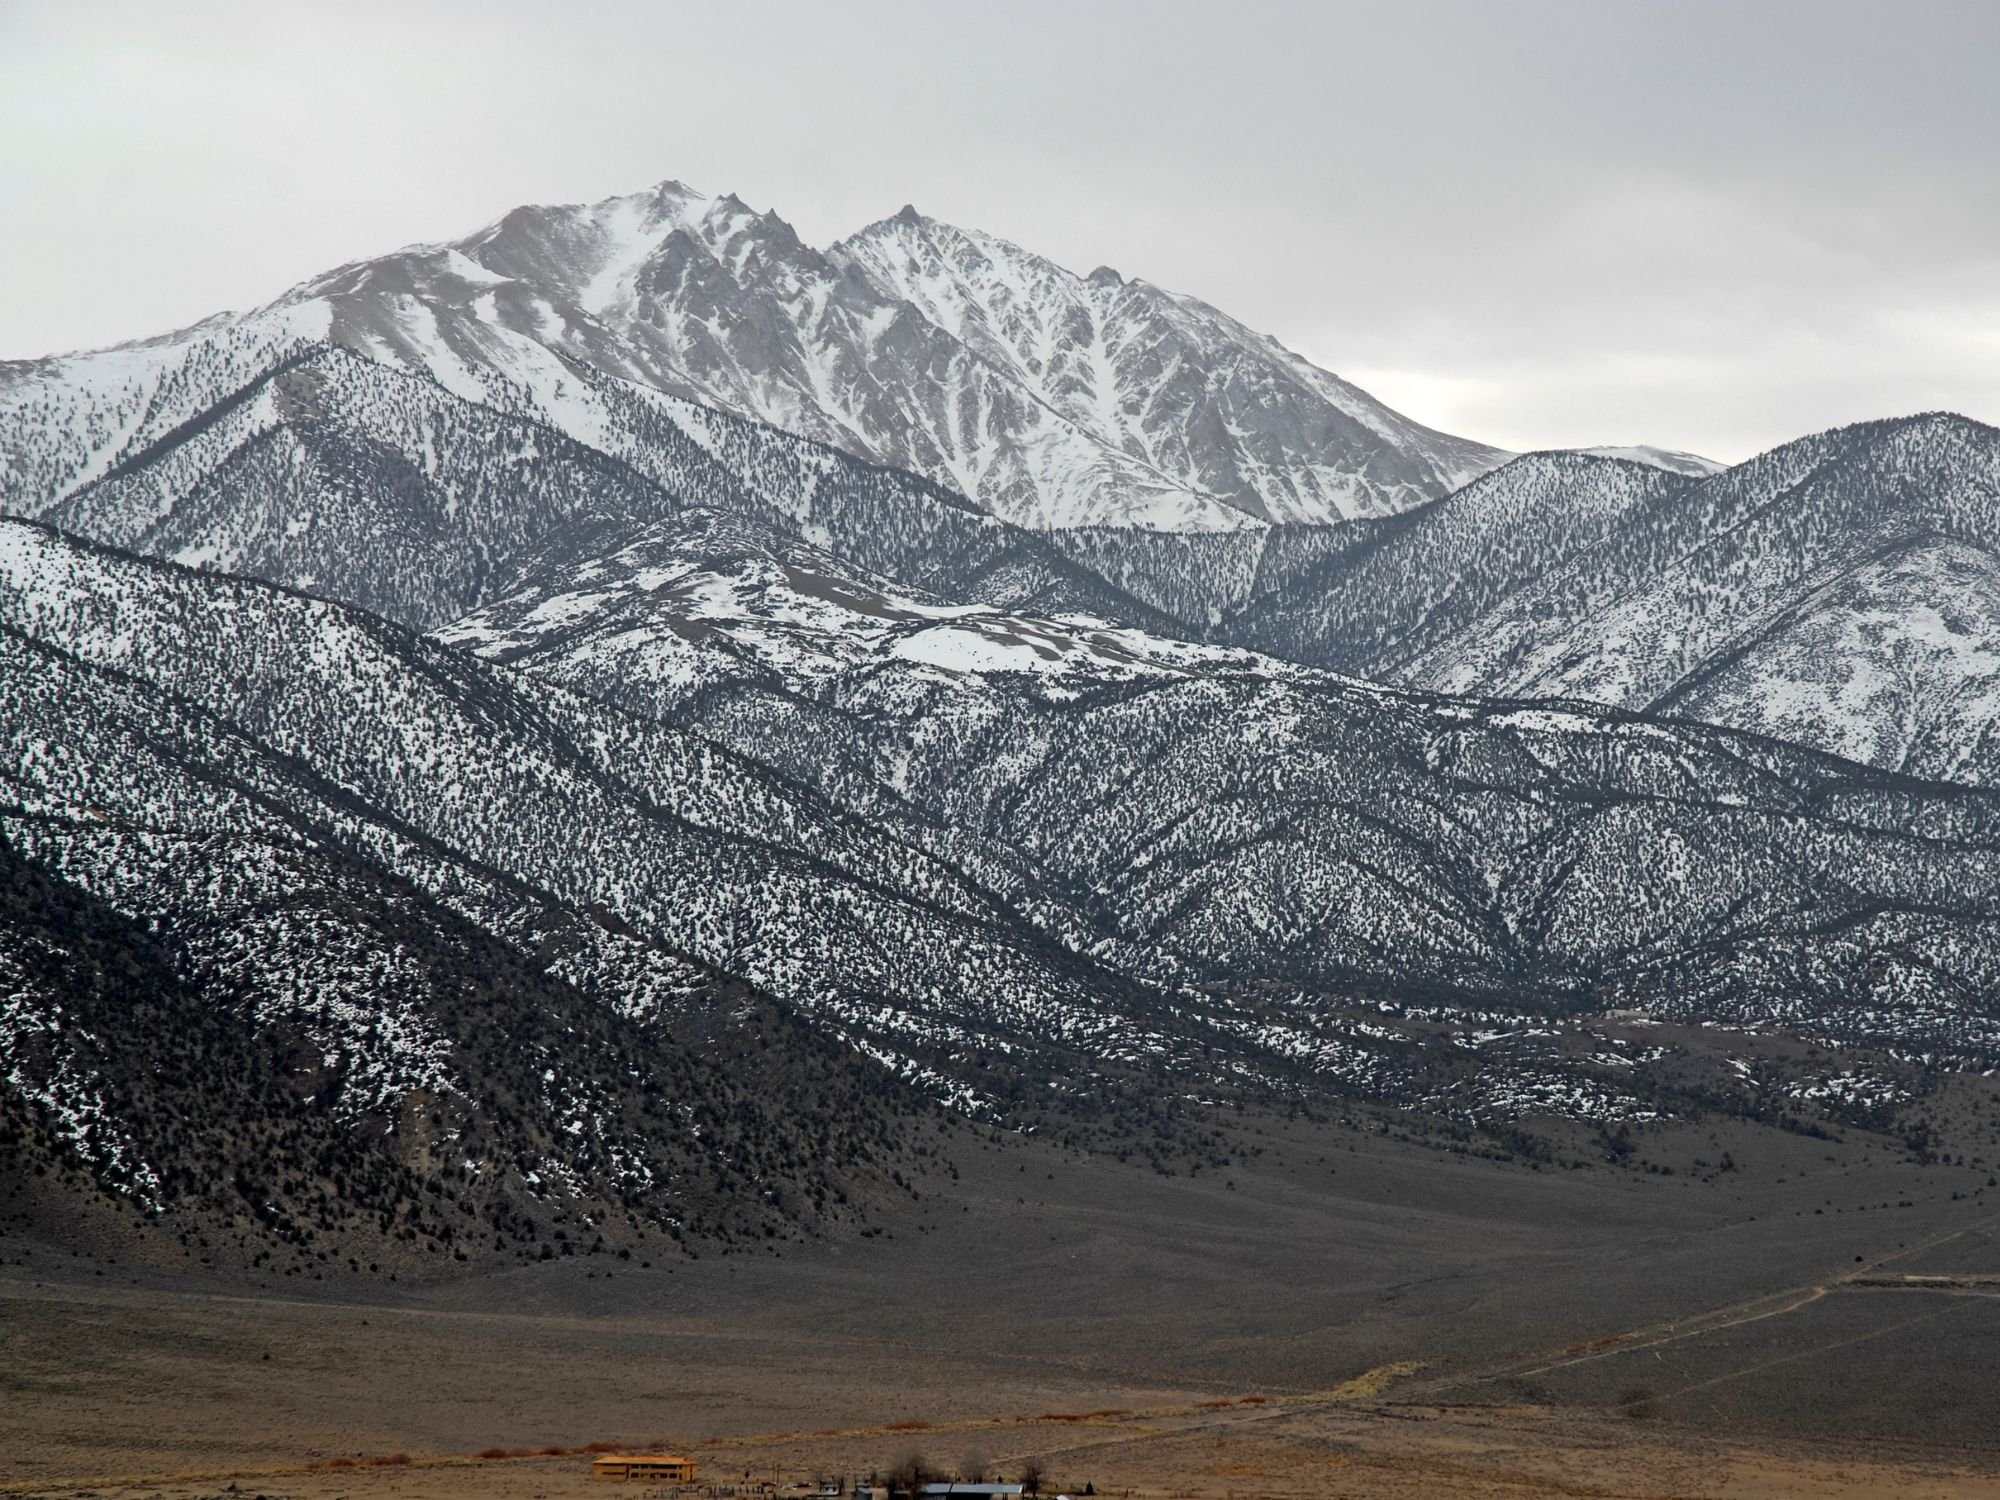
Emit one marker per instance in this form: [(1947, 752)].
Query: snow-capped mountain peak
[(1050, 399), (1165, 379)]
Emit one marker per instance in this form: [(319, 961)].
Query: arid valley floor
[(1345, 1315)]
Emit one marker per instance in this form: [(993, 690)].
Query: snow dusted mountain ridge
[(1841, 591), (1050, 399), (948, 412)]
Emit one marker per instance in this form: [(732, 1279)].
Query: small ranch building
[(648, 1466)]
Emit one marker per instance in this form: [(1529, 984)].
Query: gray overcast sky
[(1704, 225)]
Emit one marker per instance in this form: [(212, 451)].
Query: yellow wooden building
[(656, 1467)]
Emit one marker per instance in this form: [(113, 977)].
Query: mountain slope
[(1835, 591), (1162, 380), (1230, 819), (1894, 661), (1432, 575), (192, 705), (1681, 576), (290, 1061), (1049, 872), (307, 465)]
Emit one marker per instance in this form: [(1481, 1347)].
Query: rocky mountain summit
[(1047, 398)]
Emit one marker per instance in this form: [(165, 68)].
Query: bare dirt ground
[(1342, 1317), (1322, 1445)]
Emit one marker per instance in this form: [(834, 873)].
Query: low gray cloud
[(1704, 225)]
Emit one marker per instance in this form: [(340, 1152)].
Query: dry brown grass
[(1367, 1383)]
